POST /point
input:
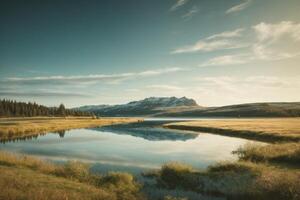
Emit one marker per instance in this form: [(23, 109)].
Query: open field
[(268, 130), (11, 128)]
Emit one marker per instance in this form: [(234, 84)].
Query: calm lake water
[(131, 147)]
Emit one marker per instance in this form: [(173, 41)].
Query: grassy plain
[(263, 129), (11, 128)]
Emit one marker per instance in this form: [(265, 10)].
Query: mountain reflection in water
[(149, 130)]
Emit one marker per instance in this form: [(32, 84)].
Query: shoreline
[(264, 130), (14, 128)]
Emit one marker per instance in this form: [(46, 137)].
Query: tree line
[(10, 108)]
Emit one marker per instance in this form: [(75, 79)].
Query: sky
[(218, 52)]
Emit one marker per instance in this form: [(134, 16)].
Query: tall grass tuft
[(288, 153), (173, 175)]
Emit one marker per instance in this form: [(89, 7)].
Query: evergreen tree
[(10, 108)]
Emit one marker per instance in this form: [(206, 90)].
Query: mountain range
[(186, 107)]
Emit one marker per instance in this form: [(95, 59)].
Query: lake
[(132, 147)]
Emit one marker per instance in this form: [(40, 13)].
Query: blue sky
[(111, 51)]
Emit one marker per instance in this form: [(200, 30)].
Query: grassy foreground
[(232, 180), (11, 128), (268, 130), (263, 172), (25, 177)]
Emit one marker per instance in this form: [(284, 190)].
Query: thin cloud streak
[(190, 13), (88, 79), (178, 4), (227, 34), (239, 7), (214, 42), (250, 81), (225, 60), (42, 94), (208, 46)]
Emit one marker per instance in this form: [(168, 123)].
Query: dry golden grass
[(26, 177), (233, 180), (279, 129), (11, 128), (22, 183), (282, 153)]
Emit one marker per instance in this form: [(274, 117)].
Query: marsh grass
[(72, 180), (282, 153), (233, 180), (175, 174)]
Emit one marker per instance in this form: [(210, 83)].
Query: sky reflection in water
[(130, 148)]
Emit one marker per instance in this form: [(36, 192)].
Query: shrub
[(174, 175), (123, 184)]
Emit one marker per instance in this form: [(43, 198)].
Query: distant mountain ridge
[(147, 106), (185, 107)]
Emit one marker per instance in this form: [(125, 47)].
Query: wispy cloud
[(41, 94), (268, 35), (227, 34), (272, 32), (263, 52), (178, 4), (206, 46), (88, 79), (239, 7), (231, 82), (244, 89), (273, 42), (214, 42), (225, 60), (190, 13)]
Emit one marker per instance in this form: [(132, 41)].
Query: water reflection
[(61, 134), (130, 147), (149, 130)]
